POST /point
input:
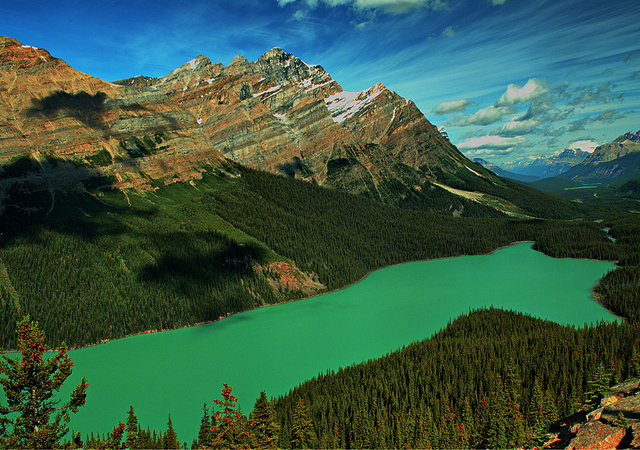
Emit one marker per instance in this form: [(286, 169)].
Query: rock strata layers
[(277, 114)]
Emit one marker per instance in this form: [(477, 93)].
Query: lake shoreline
[(152, 331)]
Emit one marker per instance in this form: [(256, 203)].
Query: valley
[(217, 193)]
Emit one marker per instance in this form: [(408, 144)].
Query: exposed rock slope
[(52, 112), (277, 114)]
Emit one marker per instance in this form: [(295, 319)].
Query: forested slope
[(491, 379), (98, 263)]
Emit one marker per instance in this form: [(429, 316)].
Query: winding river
[(278, 347)]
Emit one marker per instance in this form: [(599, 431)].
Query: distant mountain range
[(547, 166), (613, 163)]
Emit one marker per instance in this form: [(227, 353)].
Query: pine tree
[(229, 427), (537, 419), (170, 439), (597, 386), (131, 428), (264, 423), (30, 383), (204, 433), (302, 432)]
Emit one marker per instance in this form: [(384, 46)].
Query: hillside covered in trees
[(100, 263)]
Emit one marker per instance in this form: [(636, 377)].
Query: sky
[(509, 80)]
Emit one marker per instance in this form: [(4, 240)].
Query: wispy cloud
[(390, 6), (517, 128), (493, 142), (607, 116), (485, 116), (453, 106), (448, 32)]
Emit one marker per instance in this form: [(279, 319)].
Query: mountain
[(60, 118), (616, 162), (505, 173), (284, 116), (278, 114), (548, 166)]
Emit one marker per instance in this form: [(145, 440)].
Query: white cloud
[(584, 145), (484, 116), (451, 107), (300, 15), (493, 142), (517, 128), (533, 89)]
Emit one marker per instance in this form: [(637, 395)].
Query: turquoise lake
[(278, 347)]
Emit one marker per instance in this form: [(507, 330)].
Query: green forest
[(490, 379), (98, 263), (105, 263)]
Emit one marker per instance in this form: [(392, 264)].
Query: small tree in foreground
[(30, 383)]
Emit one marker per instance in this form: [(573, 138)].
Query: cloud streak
[(485, 116), (389, 6), (450, 107)]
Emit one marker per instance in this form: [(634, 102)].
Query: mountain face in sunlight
[(277, 114)]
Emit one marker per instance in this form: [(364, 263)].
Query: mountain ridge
[(277, 114)]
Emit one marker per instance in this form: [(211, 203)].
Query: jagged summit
[(14, 54), (277, 114), (630, 136), (238, 60)]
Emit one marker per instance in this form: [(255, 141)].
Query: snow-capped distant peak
[(343, 105)]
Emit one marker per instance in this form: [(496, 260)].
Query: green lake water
[(278, 347)]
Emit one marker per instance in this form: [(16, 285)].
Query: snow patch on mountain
[(270, 90), (343, 105), (194, 63)]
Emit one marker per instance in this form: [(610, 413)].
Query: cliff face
[(277, 114), (52, 112)]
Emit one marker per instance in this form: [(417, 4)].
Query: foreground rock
[(614, 424)]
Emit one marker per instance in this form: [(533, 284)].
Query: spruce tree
[(204, 433), (30, 383), (264, 423), (302, 432), (170, 439), (131, 428)]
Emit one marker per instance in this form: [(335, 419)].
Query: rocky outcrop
[(615, 423)]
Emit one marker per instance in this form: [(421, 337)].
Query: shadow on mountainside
[(55, 193), (87, 108)]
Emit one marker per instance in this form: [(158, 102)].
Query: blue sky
[(507, 79)]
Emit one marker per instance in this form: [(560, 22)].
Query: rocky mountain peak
[(630, 136), (280, 67), (15, 55), (238, 60)]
